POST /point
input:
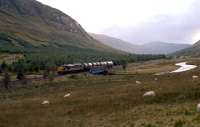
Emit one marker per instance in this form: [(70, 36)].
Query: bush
[(179, 123), (6, 80), (124, 64), (3, 66), (45, 74), (20, 75)]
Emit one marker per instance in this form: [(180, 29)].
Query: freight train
[(94, 67)]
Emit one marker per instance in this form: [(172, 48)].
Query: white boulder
[(198, 107), (67, 95), (45, 102), (150, 94), (195, 76), (138, 82)]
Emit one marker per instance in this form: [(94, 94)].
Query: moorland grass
[(110, 101)]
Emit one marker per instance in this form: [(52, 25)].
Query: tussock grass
[(113, 100)]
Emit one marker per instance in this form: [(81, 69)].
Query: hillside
[(162, 47), (28, 25), (115, 43), (149, 48), (194, 50)]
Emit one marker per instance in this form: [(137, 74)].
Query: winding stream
[(184, 67)]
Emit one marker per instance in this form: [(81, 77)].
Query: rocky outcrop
[(49, 15), (29, 24)]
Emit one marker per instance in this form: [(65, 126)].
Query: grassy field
[(107, 101)]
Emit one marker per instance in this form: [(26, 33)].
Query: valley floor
[(108, 101)]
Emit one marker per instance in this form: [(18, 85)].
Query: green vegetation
[(20, 75), (3, 66), (9, 58), (124, 64), (43, 61), (6, 80), (192, 51), (113, 100)]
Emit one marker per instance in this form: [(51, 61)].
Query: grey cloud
[(167, 28)]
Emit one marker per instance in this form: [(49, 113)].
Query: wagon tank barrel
[(102, 66)]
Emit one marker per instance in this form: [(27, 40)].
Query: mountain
[(115, 43), (162, 48), (28, 25), (148, 48), (194, 50)]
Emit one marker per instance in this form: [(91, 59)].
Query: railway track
[(30, 80)]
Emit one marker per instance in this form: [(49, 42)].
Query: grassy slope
[(23, 31), (191, 51), (10, 58), (107, 100)]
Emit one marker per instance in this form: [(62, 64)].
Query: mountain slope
[(194, 50), (28, 25), (149, 48), (162, 47), (115, 43)]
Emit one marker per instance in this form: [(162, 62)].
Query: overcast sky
[(136, 21)]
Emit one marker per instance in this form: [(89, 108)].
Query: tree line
[(47, 63)]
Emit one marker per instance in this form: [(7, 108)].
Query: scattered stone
[(161, 73), (67, 95), (149, 93), (45, 102), (198, 107), (157, 74), (138, 82), (156, 79), (195, 76)]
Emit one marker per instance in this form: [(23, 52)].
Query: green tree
[(20, 75), (46, 74), (6, 80), (3, 66), (124, 64)]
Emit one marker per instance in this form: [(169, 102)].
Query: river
[(184, 67)]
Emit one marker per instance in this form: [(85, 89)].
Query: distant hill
[(115, 43), (149, 48), (28, 25), (162, 48), (194, 50)]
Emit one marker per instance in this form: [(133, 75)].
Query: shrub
[(20, 75), (3, 66), (6, 80), (179, 123)]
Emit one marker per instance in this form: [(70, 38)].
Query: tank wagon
[(94, 67)]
